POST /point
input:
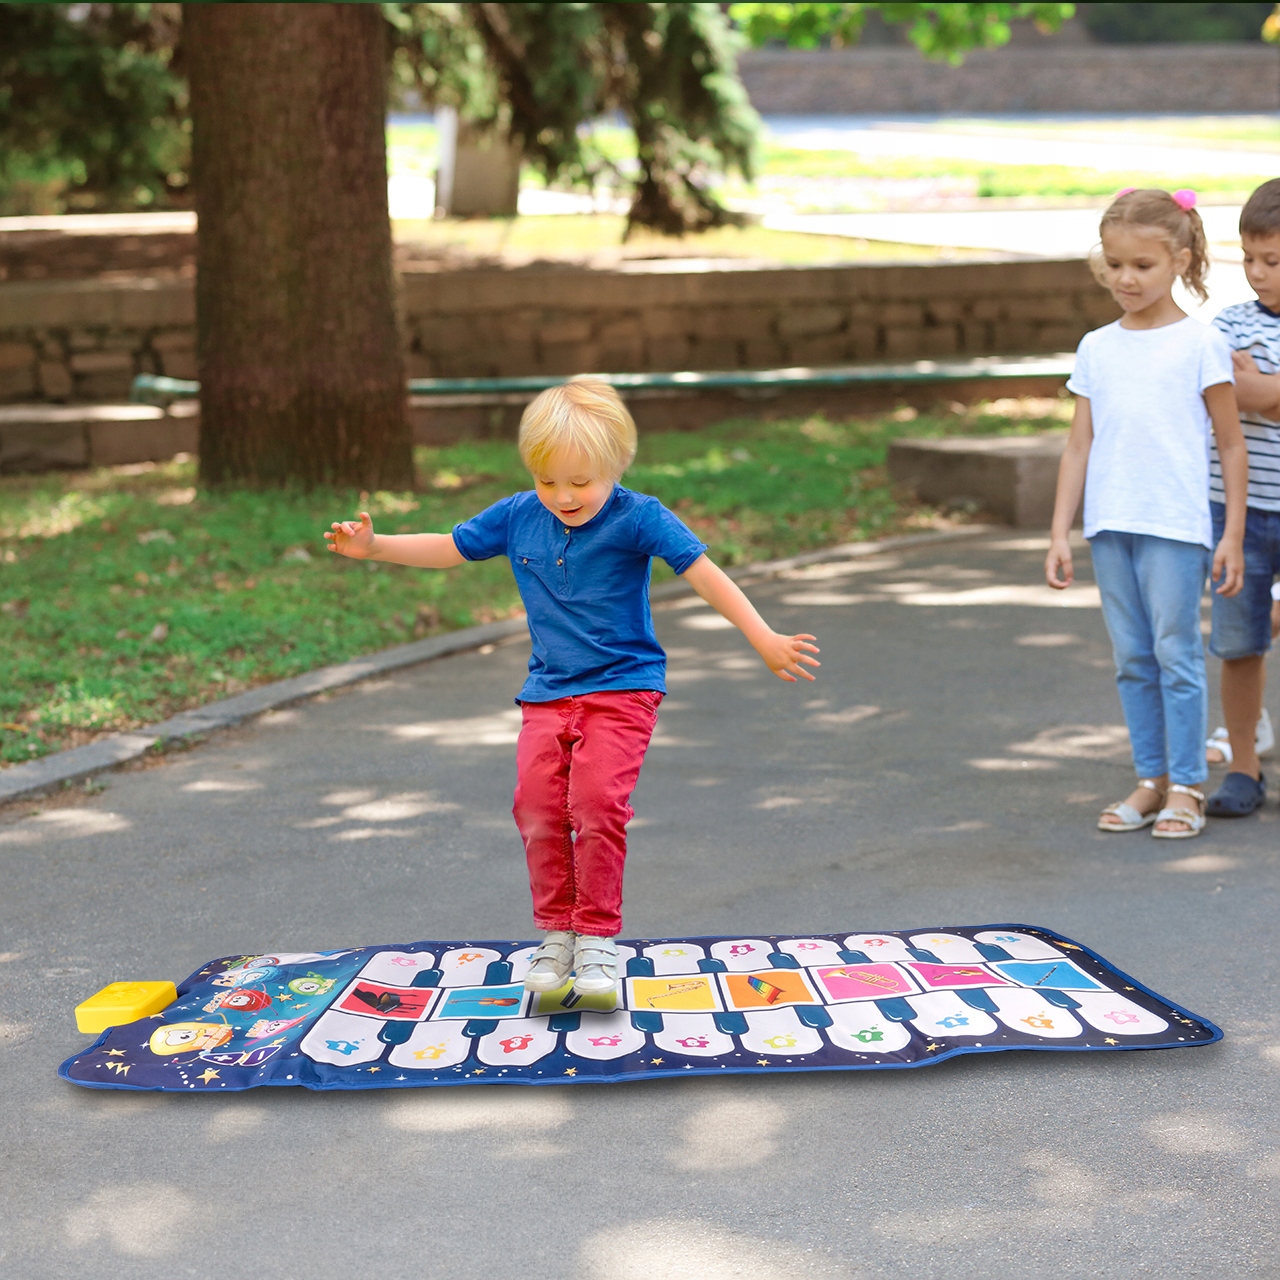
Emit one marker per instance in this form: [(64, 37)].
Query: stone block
[(560, 326), (1061, 337), (1012, 477), (179, 364), (16, 355), (83, 340), (749, 322), (715, 353), (620, 357), (667, 322), (1097, 306), (55, 380), (1049, 306), (569, 358), (111, 385), (976, 338), (939, 340), (900, 314), (113, 444), (817, 351), (37, 446), (669, 355), (902, 343), (987, 308), (763, 353), (805, 322), (173, 340), (101, 362), (864, 341), (619, 329), (17, 384), (947, 310)]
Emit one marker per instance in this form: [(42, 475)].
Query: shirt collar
[(1266, 311)]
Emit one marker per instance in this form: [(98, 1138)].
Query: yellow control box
[(121, 1002)]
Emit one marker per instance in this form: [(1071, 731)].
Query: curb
[(63, 767)]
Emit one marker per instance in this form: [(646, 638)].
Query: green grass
[(127, 594), (598, 236)]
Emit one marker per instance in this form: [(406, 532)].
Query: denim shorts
[(1242, 623)]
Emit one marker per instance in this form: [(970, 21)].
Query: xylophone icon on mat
[(434, 1013)]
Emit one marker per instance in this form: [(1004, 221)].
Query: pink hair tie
[(1128, 191), (1185, 199)]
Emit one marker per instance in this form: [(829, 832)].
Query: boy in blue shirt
[(580, 546)]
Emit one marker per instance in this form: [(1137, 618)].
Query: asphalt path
[(946, 769)]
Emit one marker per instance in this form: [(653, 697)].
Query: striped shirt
[(1249, 326)]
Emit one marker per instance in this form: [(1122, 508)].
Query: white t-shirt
[(1249, 326), (1149, 464)]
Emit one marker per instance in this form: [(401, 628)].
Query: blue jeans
[(1151, 590), (1242, 623)]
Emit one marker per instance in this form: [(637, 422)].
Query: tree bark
[(301, 373)]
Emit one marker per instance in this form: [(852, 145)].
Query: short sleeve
[(662, 533), (1215, 360), (1222, 322), (485, 535), (1078, 383)]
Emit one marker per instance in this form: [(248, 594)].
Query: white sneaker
[(1265, 739), (596, 960), (552, 963)]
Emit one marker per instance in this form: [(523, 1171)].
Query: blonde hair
[(585, 414), (1181, 229)]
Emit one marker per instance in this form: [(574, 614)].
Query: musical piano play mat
[(444, 1013)]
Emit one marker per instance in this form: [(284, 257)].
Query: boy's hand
[(784, 655), (1275, 619), (352, 538), (1243, 362), (1058, 562), (1228, 564)]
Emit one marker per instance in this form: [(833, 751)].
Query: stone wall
[(85, 340), (1138, 78)]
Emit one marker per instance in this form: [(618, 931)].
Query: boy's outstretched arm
[(356, 538), (785, 656)]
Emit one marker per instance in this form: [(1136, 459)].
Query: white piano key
[(943, 1013), (779, 1031), (398, 968), (950, 948), (343, 1039), (433, 1044), (517, 1042), (465, 966), (862, 1028), (811, 951), (1112, 1013), (605, 1036), (1027, 1011), (692, 1034), (1020, 946), (740, 954), (674, 957), (878, 946)]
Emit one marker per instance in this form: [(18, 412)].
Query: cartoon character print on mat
[(240, 1000), (312, 984), (189, 1037)]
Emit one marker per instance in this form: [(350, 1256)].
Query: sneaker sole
[(543, 985)]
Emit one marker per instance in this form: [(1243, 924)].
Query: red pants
[(577, 762)]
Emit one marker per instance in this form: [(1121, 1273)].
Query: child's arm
[(1256, 392), (1071, 474), (783, 655), (1228, 558), (422, 550)]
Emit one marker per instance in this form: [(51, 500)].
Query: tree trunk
[(301, 375)]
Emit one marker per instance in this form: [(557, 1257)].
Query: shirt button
[(566, 530), (559, 562)]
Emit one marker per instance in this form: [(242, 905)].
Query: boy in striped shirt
[(1242, 623)]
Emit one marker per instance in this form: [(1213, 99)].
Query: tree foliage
[(943, 31), (93, 108)]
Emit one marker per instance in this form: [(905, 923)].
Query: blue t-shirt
[(585, 589)]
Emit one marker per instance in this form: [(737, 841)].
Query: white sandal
[(1193, 820), (1264, 741), (1130, 818), (596, 960), (552, 963)]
